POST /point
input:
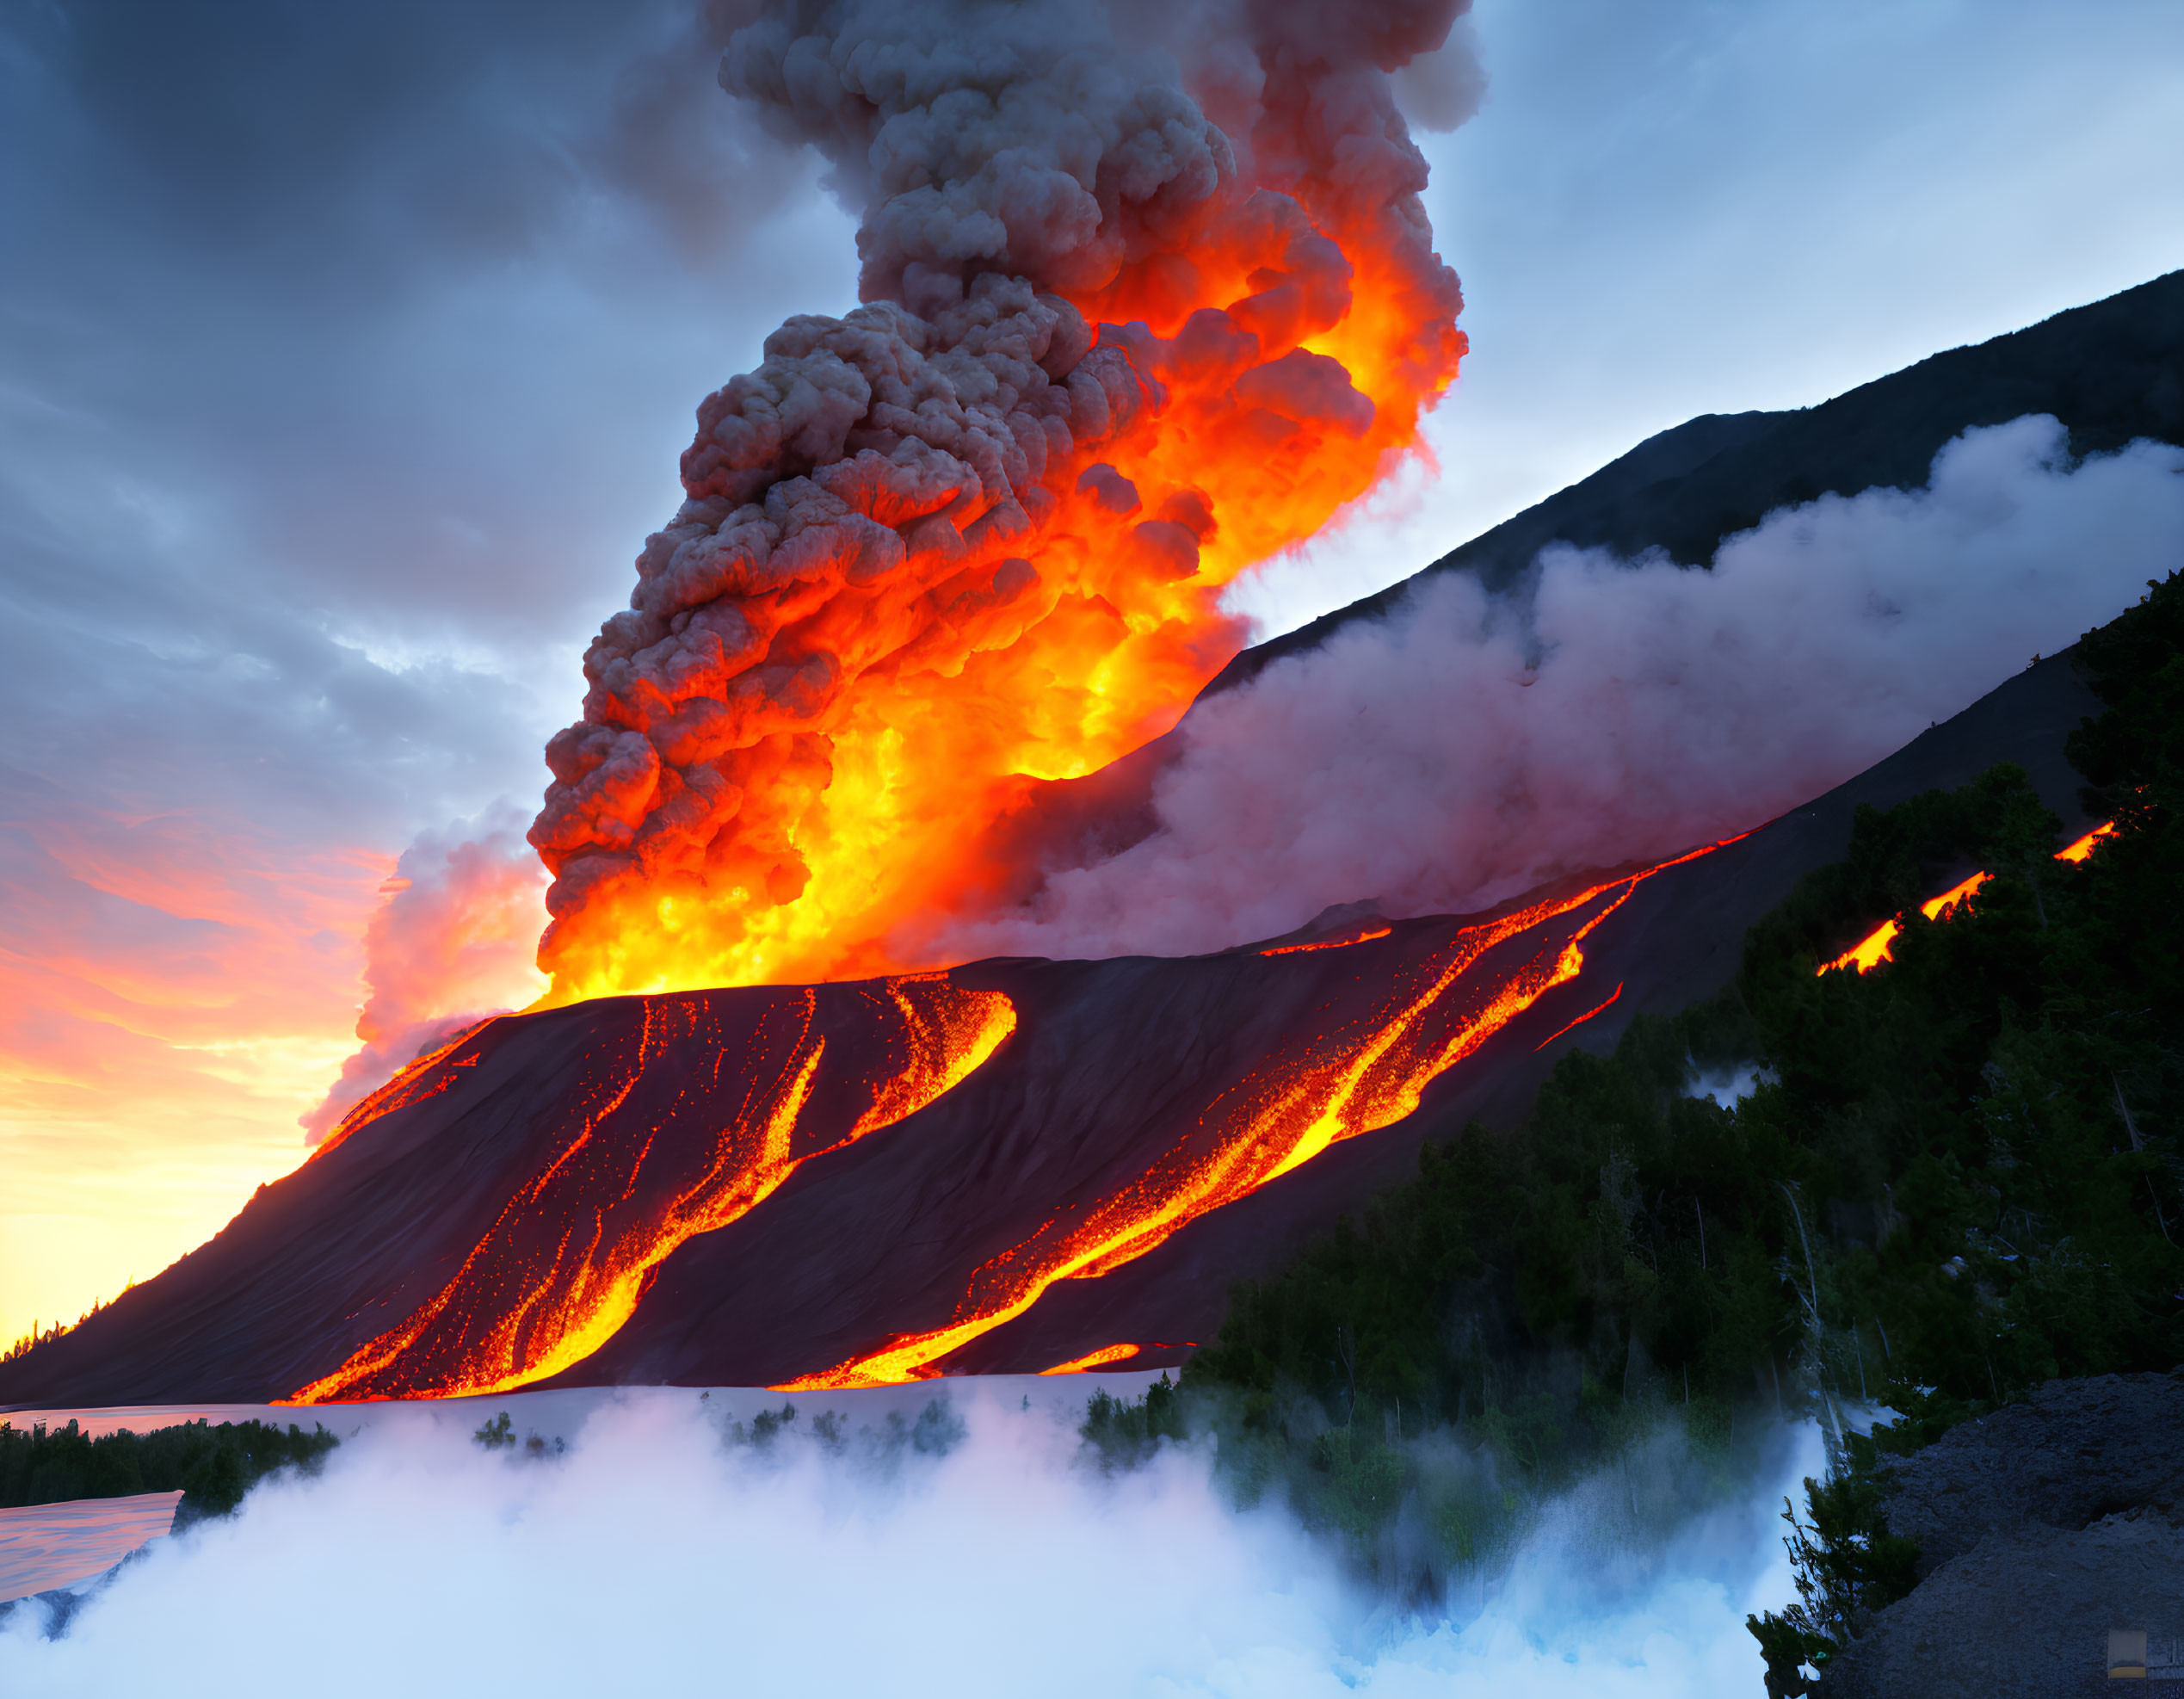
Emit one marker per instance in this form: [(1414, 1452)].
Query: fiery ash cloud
[(1136, 317)]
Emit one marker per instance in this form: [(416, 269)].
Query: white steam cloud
[(648, 1561), (453, 944), (1468, 748)]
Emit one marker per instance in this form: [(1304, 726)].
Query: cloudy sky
[(345, 355)]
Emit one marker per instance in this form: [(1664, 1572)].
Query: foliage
[(499, 1434), (1956, 1176), (213, 1467)]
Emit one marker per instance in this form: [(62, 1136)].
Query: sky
[(345, 356)]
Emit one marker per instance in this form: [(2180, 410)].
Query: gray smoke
[(1465, 748)]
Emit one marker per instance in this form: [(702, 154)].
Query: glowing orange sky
[(178, 992)]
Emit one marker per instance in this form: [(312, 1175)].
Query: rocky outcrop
[(2040, 1528)]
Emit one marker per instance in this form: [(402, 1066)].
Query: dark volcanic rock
[(2024, 1615), (2072, 1453), (2040, 1528)]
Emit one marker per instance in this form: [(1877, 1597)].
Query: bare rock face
[(2041, 1528), (2073, 1453)]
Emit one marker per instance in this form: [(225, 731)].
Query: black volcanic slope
[(1110, 1063), (2111, 372)]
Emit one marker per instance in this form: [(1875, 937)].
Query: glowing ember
[(1105, 1355), (639, 1172), (2084, 846), (1603, 1003), (1873, 948), (974, 534), (1324, 1087), (1329, 943), (424, 1077)]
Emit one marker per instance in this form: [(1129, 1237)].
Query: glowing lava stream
[(1873, 948), (1347, 1081), (564, 1264), (1098, 1359)]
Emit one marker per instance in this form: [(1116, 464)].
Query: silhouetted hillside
[(2111, 372)]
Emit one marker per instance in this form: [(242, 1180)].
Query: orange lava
[(2084, 846), (424, 1077), (565, 1263), (1581, 1019), (1349, 1079), (1329, 943), (1101, 1358), (1872, 950)]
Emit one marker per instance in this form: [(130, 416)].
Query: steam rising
[(648, 1561), (1467, 748), (450, 944)]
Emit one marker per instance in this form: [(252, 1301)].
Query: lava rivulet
[(1331, 1084), (972, 535), (1875, 947), (732, 1101)]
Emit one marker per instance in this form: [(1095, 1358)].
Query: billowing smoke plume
[(450, 944), (1466, 748), (1149, 294)]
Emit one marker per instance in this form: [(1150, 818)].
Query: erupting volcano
[(691, 1108), (1149, 296), (1137, 318)]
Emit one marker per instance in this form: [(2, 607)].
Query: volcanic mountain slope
[(1019, 1162), (1004, 1168), (2111, 372)]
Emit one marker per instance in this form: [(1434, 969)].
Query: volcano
[(1021, 1164)]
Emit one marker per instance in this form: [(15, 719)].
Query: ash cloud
[(648, 1560), (1467, 749)]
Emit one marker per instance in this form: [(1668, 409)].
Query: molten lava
[(1098, 1359), (2084, 846), (1365, 937), (1872, 950), (1598, 1008), (646, 1158), (1321, 1087)]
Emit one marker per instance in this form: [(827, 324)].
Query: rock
[(2027, 1611), (2041, 1527), (2070, 1454)]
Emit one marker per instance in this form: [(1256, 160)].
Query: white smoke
[(647, 1560), (1468, 748), (453, 942)]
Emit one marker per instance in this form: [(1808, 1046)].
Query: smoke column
[(1149, 295), (1465, 748)]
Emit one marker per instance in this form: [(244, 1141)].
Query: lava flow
[(680, 1133), (973, 535), (1874, 947), (1330, 1085), (1090, 1360)]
